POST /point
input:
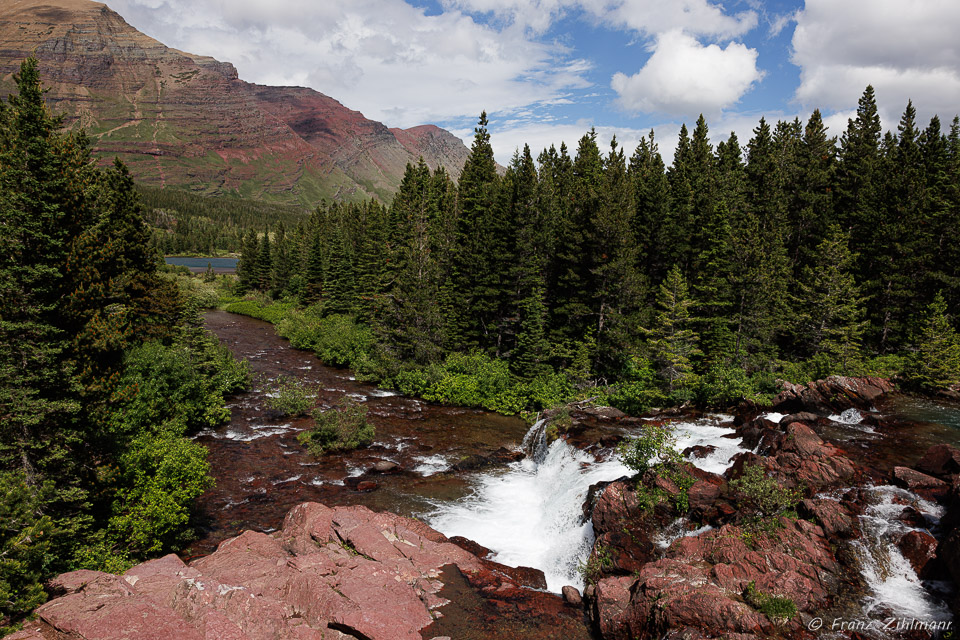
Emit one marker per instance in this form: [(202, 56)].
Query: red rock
[(365, 486), (572, 596), (831, 515), (835, 393), (940, 460), (920, 483), (698, 451), (328, 572), (920, 549)]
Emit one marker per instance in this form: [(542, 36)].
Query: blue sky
[(548, 70)]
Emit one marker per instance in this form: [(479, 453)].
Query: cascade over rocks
[(698, 586), (329, 574)]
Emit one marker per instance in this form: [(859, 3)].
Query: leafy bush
[(272, 313), (639, 391), (341, 341), (774, 607), (760, 498), (341, 428), (289, 397), (161, 475), (162, 383), (725, 386), (653, 448)]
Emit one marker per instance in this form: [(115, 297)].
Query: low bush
[(340, 428), (289, 397), (774, 607), (760, 498)]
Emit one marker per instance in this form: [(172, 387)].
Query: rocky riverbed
[(874, 538)]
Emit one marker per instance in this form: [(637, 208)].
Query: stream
[(526, 508)]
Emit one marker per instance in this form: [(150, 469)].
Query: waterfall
[(531, 513), (895, 588), (535, 441)]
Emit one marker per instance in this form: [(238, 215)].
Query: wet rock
[(912, 518), (697, 587), (365, 486), (920, 549), (920, 483), (469, 545), (832, 516), (698, 451), (477, 461), (940, 460), (830, 395), (329, 573), (571, 595), (386, 466), (803, 416)]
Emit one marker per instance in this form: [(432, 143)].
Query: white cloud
[(904, 48), (383, 57), (683, 77), (648, 17)]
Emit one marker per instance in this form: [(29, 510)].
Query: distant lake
[(220, 265)]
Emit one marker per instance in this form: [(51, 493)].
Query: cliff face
[(183, 120)]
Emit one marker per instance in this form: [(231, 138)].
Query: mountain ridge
[(188, 121)]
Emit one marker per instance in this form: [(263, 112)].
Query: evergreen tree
[(483, 244), (831, 308), (651, 200), (936, 362), (672, 341)]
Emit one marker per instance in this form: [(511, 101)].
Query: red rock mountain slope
[(183, 120)]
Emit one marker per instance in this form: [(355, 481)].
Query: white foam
[(894, 585), (530, 514), (383, 393), (430, 465), (774, 417), (706, 434)]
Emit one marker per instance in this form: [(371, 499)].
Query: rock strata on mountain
[(184, 120)]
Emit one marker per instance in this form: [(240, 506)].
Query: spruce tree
[(935, 364), (830, 314), (672, 341)]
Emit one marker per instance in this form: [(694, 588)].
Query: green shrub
[(723, 386), (272, 313), (760, 498), (163, 383), (774, 607), (161, 475), (341, 428), (593, 568), (639, 390), (652, 448), (341, 341), (289, 397), (227, 373)]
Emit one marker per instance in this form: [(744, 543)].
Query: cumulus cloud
[(384, 57), (648, 17), (904, 48), (683, 77)]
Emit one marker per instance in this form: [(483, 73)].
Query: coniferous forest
[(796, 255), (575, 275), (104, 367)]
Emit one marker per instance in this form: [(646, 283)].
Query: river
[(526, 507)]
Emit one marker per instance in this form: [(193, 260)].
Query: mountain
[(183, 120)]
